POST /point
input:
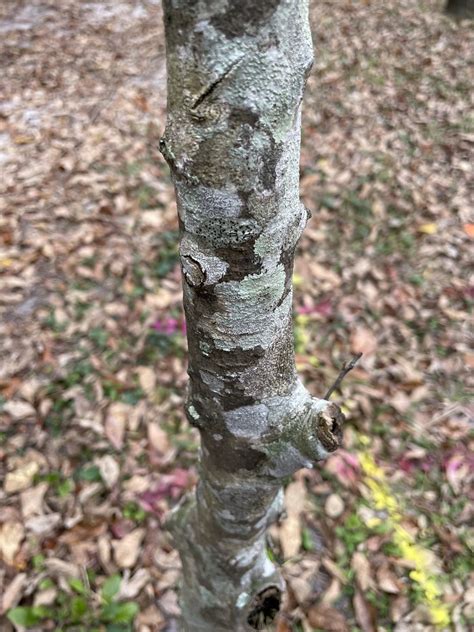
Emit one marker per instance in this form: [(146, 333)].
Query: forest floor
[(94, 447)]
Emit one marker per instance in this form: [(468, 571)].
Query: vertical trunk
[(236, 75), (461, 8)]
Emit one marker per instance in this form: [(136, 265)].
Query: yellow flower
[(384, 500)]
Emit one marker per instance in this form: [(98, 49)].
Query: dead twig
[(344, 371)]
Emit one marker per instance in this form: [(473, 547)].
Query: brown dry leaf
[(32, 500), (401, 402), (130, 587), (104, 551), (334, 506), (43, 525), (82, 531), (387, 580), (363, 340), (300, 588), (399, 606), (290, 530), (150, 618), (19, 409), (169, 603), (152, 219), (127, 550), (115, 423), (327, 618), (469, 230), (60, 567), (136, 484), (13, 592), (147, 378), (45, 597), (360, 565), (324, 274), (332, 568), (301, 578), (364, 613), (109, 470), (11, 537), (158, 438), (282, 624), (21, 478), (332, 593)]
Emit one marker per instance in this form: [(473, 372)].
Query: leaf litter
[(94, 447)]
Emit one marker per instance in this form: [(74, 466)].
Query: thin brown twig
[(344, 371)]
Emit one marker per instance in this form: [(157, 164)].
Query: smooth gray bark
[(236, 75)]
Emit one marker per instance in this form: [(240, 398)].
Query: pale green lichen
[(236, 77)]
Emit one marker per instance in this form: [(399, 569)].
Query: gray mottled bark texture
[(236, 75)]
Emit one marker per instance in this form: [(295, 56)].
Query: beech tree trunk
[(236, 75), (461, 8)]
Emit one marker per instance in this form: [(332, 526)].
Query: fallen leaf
[(171, 485), (19, 409), (301, 579), (11, 536), (327, 618), (84, 531), (152, 219), (364, 613), (282, 624), (290, 530), (361, 567), (32, 500), (400, 402), (457, 469), (469, 229), (147, 379), (45, 597), (388, 581), (332, 568), (115, 423), (300, 588), (151, 618), (158, 438), (334, 506), (428, 229), (344, 466), (332, 593), (13, 592), (131, 587), (169, 604), (21, 478), (61, 568), (109, 470), (127, 550), (43, 525), (363, 341), (399, 606)]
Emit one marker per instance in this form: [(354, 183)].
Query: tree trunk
[(236, 75), (461, 8)]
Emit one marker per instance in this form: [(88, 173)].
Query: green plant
[(79, 612), (133, 511), (352, 532)]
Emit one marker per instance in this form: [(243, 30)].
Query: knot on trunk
[(305, 429), (329, 426)]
